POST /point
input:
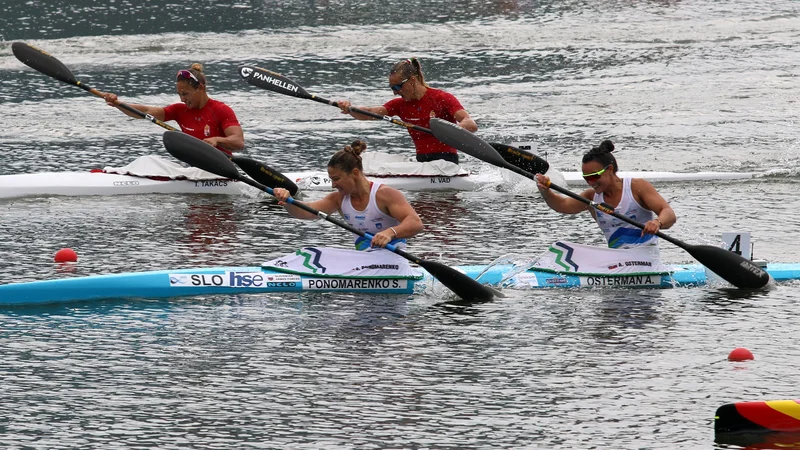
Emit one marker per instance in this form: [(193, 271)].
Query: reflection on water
[(617, 316), (752, 441), (212, 227)]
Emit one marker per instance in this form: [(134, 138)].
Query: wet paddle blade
[(42, 61), (462, 285), (264, 174), (523, 159), (199, 154), (269, 80), (462, 140), (731, 267)]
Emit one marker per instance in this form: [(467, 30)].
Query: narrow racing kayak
[(260, 279), (155, 175), (99, 183), (148, 174)]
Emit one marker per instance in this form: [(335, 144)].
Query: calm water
[(678, 85)]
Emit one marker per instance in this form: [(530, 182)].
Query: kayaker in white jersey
[(370, 206), (635, 198)]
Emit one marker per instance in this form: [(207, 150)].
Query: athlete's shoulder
[(440, 93), (176, 107), (216, 104)]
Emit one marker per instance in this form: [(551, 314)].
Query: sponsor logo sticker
[(235, 280), (527, 279)]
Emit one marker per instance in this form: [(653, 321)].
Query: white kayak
[(155, 175), (319, 180), (99, 183), (576, 178)]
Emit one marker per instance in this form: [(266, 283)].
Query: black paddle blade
[(42, 61), (199, 154), (462, 285), (730, 266), (461, 139), (266, 79), (265, 174), (523, 159)]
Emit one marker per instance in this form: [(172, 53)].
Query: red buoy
[(740, 354), (66, 255)]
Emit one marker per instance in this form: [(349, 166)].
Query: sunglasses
[(594, 176), (188, 76), (398, 86)]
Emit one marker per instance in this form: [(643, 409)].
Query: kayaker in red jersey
[(198, 115), (419, 102)]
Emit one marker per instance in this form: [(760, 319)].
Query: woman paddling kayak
[(634, 198), (198, 115), (370, 206), (419, 102)]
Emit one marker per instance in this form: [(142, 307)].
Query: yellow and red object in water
[(767, 416)]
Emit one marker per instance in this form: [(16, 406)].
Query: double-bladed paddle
[(202, 155), (732, 267), (47, 64), (266, 79), (264, 174)]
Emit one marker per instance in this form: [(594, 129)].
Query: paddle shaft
[(130, 109), (275, 82), (374, 115)]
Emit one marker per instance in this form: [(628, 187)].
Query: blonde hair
[(409, 68), (197, 70)]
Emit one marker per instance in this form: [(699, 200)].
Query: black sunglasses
[(398, 86)]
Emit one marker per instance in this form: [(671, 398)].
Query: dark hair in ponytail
[(602, 154), (349, 157), (409, 68)]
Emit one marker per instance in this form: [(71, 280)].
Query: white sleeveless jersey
[(620, 234), (371, 220)]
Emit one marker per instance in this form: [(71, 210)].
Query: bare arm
[(345, 106), (562, 203), (465, 121), (328, 204), (155, 111), (394, 203), (648, 197), (233, 140)]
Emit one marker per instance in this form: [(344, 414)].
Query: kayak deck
[(256, 279), (99, 183)]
